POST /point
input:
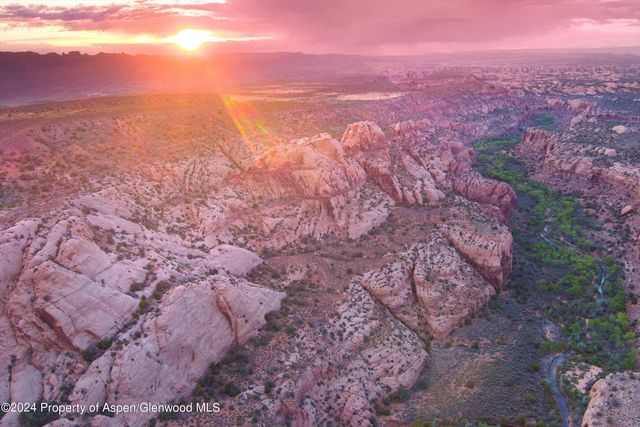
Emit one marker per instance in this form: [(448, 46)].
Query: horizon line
[(454, 52)]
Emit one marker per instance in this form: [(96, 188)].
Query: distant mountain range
[(27, 77)]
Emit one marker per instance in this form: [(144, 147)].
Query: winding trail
[(562, 402)]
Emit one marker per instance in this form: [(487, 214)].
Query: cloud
[(131, 17), (30, 13), (366, 26), (364, 22)]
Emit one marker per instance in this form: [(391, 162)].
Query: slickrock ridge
[(198, 323), (402, 175), (309, 167), (372, 355), (449, 165), (615, 400), (326, 190), (237, 261), (431, 288), (77, 308), (131, 292), (487, 245), (344, 188), (474, 186), (537, 144), (63, 294), (374, 345)]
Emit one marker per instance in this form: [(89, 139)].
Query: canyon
[(317, 261)]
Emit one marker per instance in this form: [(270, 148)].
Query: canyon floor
[(433, 250)]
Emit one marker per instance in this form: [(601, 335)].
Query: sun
[(190, 39)]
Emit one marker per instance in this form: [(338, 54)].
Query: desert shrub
[(143, 305), (37, 418), (382, 410), (230, 389), (136, 287), (104, 344), (529, 398), (161, 288), (269, 386), (89, 354)]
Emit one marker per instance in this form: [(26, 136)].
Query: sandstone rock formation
[(614, 401), (236, 260), (474, 186), (198, 323), (344, 188), (627, 210), (449, 166), (576, 160), (486, 244), (63, 294), (431, 288), (371, 356), (367, 144), (131, 292), (537, 144), (327, 191)]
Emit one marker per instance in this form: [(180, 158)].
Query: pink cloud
[(354, 26)]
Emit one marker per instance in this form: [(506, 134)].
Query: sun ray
[(249, 123)]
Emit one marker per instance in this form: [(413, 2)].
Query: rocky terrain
[(306, 262), (614, 401), (118, 296), (605, 173)]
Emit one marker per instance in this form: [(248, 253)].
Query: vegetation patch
[(584, 290)]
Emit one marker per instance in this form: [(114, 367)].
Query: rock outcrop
[(473, 186), (326, 190), (404, 177), (65, 293), (372, 356), (614, 400), (345, 187), (449, 167), (486, 244), (431, 288), (537, 144), (79, 309), (197, 324), (576, 160), (130, 293)]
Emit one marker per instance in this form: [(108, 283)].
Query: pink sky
[(319, 26)]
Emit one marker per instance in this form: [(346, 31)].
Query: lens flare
[(190, 39), (250, 124)]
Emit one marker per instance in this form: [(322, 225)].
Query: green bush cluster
[(217, 381), (556, 246)]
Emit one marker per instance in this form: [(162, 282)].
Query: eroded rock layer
[(614, 400), (129, 293)]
